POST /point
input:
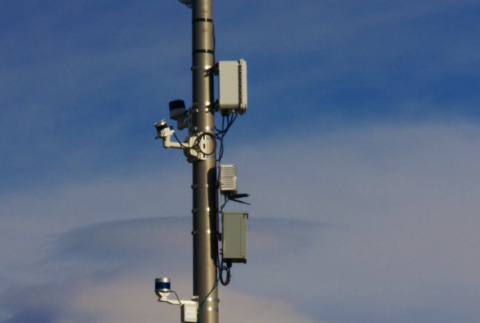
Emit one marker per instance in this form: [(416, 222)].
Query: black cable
[(218, 130), (227, 281), (220, 153), (178, 140), (197, 142), (199, 139), (234, 117), (177, 297), (220, 150), (230, 119), (220, 266)]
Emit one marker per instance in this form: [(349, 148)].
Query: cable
[(197, 142), (206, 297), (226, 201), (178, 140), (221, 133), (227, 281), (199, 139), (220, 266), (177, 297)]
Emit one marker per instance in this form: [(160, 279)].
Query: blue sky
[(359, 149)]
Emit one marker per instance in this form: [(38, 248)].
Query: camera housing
[(178, 112), (163, 131)]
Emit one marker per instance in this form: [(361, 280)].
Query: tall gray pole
[(205, 213)]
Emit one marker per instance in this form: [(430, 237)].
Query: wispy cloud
[(124, 257), (380, 222)]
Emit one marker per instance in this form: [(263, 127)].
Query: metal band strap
[(202, 51), (205, 68), (212, 309), (202, 20), (201, 231), (203, 129), (216, 300), (199, 185), (200, 110), (205, 106), (200, 210), (206, 103), (204, 210)]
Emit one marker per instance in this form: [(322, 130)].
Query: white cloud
[(32, 218), (363, 173), (130, 298), (394, 214), (408, 195), (130, 302)]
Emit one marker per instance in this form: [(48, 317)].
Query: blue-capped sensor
[(162, 285)]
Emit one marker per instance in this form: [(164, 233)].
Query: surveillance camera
[(186, 1), (177, 109), (178, 112), (161, 125), (163, 130)]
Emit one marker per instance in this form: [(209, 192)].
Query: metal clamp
[(205, 68), (200, 210), (201, 231), (202, 20), (203, 51), (206, 103), (202, 129), (205, 110), (199, 185), (216, 300)]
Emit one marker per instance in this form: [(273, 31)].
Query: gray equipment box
[(232, 86), (234, 236)]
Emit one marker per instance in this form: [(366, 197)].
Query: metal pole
[(205, 213)]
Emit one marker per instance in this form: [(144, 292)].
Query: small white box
[(227, 178), (189, 312)]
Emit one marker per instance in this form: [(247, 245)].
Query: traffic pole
[(204, 186)]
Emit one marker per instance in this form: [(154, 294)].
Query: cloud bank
[(368, 225)]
